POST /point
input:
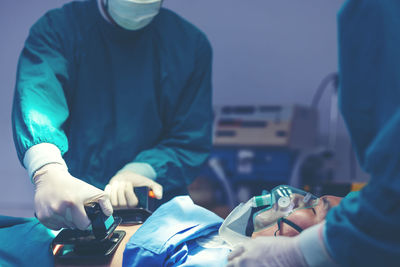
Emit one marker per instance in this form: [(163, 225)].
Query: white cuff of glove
[(141, 168), (42, 154), (313, 247)]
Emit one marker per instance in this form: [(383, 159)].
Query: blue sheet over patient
[(174, 236)]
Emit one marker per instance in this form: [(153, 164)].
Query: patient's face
[(303, 218)]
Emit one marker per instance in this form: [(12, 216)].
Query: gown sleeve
[(39, 107), (364, 229)]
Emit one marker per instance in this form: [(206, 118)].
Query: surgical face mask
[(264, 211), (133, 14)]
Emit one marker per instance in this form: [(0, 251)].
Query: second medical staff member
[(113, 94), (364, 229)]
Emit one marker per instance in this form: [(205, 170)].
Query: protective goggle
[(264, 211)]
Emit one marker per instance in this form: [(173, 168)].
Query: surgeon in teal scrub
[(364, 230), (110, 95)]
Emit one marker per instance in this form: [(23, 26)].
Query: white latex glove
[(60, 198), (120, 188), (268, 251)]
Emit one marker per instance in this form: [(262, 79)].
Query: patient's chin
[(266, 232), (271, 232)]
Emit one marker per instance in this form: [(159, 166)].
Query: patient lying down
[(284, 211)]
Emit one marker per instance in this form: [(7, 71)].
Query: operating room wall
[(265, 52)]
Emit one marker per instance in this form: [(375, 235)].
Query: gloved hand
[(120, 189), (60, 198), (268, 251)]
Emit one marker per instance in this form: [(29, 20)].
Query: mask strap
[(290, 223), (104, 5)]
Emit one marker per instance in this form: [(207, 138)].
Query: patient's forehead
[(334, 201)]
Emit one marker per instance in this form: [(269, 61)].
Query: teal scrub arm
[(40, 107), (363, 230)]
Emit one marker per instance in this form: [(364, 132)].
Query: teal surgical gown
[(24, 242), (106, 96), (365, 229)]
